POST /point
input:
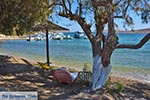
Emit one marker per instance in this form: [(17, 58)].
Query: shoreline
[(125, 72), (12, 38)]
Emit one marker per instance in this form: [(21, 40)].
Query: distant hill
[(145, 30)]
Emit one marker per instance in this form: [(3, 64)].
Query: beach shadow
[(15, 76), (11, 66), (134, 91), (139, 90)]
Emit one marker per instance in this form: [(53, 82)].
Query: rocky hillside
[(146, 30)]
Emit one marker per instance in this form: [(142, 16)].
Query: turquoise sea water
[(77, 52)]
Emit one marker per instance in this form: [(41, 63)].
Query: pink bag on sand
[(63, 76)]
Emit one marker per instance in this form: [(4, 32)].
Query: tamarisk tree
[(18, 16), (99, 13)]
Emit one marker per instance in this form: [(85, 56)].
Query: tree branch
[(137, 46), (119, 17), (86, 27), (117, 3), (65, 7), (54, 3), (100, 3), (124, 12), (100, 18), (80, 7), (51, 5), (147, 4), (69, 5)]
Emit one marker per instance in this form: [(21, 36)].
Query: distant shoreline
[(24, 37), (130, 32), (139, 31), (12, 37)]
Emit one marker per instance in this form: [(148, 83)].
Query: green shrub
[(114, 87), (86, 68)]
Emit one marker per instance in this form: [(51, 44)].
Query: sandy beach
[(16, 75)]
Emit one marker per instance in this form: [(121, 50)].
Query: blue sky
[(73, 26)]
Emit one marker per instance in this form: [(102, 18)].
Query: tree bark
[(100, 73), (137, 46)]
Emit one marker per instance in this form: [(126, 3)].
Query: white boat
[(38, 37), (30, 38), (68, 37), (57, 37), (35, 37), (78, 35)]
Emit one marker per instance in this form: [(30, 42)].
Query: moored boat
[(78, 35)]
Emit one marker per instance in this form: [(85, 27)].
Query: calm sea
[(77, 52)]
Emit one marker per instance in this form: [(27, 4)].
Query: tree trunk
[(100, 73)]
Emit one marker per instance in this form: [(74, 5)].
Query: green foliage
[(138, 7), (86, 68), (114, 87), (21, 15)]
